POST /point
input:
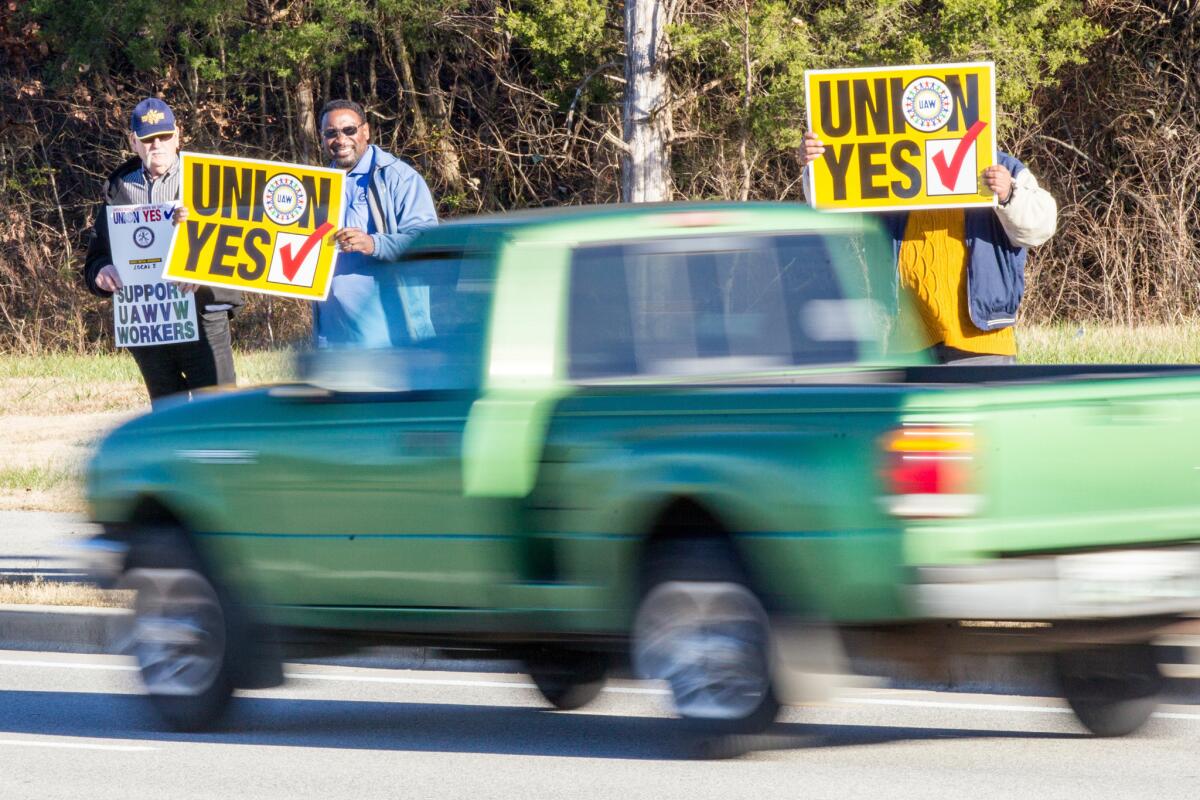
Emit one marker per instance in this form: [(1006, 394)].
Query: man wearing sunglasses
[(152, 176), (387, 203)]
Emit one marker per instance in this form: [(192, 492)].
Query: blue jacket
[(369, 304), (995, 266)]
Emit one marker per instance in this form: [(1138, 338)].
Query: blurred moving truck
[(672, 438)]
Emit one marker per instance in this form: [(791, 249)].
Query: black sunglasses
[(332, 133)]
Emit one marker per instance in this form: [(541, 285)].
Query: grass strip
[(41, 592)]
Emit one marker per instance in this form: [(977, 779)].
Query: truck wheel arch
[(685, 517)]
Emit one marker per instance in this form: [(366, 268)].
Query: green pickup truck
[(666, 438)]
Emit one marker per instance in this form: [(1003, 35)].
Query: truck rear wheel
[(568, 679), (1112, 690), (701, 629), (181, 632)]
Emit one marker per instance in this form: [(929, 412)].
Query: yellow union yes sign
[(902, 137), (260, 226)]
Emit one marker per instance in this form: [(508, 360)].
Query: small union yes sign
[(259, 226), (902, 137)]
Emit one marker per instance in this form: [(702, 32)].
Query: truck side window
[(696, 306)]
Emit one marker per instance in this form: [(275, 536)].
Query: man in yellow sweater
[(964, 269)]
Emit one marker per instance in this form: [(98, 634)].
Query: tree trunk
[(646, 162), (306, 120), (446, 156), (409, 86)]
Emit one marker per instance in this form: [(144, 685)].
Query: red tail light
[(929, 471)]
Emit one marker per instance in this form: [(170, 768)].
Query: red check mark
[(949, 172), (291, 264)]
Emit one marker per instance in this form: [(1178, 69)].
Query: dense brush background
[(511, 103)]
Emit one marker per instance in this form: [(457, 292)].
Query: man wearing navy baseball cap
[(152, 176)]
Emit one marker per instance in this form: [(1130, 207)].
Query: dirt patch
[(50, 427)]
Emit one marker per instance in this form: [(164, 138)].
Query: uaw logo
[(927, 104), (153, 116), (143, 237), (284, 199)]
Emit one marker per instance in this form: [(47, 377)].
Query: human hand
[(180, 216), (811, 149), (354, 240), (999, 180), (108, 279)]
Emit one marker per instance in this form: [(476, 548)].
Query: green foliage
[(313, 36), (1030, 41), (566, 38), (779, 49), (420, 22), (141, 34)]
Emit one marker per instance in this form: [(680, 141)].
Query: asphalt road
[(41, 533), (72, 726)]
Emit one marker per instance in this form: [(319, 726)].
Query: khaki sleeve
[(1032, 215)]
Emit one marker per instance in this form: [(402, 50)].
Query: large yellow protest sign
[(260, 226), (902, 137)]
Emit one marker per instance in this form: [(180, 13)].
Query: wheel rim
[(178, 636), (711, 642)]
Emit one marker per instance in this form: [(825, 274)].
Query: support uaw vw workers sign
[(260, 226), (146, 309), (902, 137)]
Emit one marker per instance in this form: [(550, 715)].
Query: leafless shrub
[(1119, 146)]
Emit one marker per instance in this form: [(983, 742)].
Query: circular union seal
[(927, 104), (143, 237), (284, 199)]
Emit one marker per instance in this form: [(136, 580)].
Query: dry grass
[(39, 592)]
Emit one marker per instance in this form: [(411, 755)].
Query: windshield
[(435, 307)]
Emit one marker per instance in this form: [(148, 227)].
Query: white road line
[(317, 676), (4, 662), (117, 748), (985, 706), (879, 701)]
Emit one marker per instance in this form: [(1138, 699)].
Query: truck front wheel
[(1112, 690), (181, 632)]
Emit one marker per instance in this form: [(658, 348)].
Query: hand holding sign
[(1000, 181), (812, 149), (354, 240), (108, 279)]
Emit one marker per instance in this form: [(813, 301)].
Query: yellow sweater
[(933, 273)]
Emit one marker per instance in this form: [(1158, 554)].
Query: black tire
[(183, 631), (702, 629), (568, 679), (1112, 690)]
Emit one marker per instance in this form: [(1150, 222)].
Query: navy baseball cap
[(151, 117)]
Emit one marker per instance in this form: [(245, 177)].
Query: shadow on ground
[(422, 727)]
